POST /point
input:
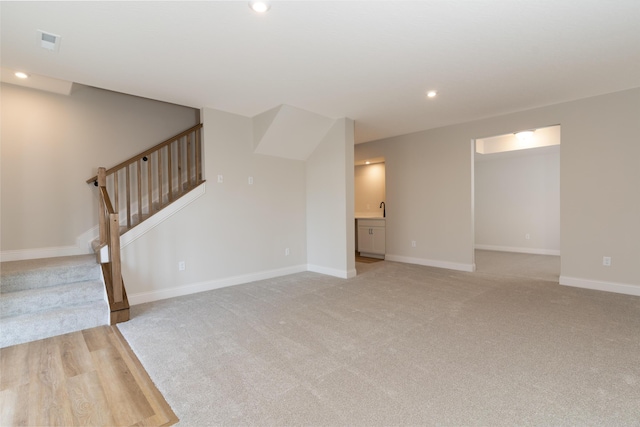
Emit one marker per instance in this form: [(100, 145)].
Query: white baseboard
[(534, 251), (431, 263), (22, 254), (619, 288), (142, 297), (343, 274)]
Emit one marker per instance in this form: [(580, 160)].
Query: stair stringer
[(156, 219)]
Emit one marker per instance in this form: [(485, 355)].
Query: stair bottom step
[(35, 326), (51, 298)]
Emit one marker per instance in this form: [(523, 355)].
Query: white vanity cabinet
[(371, 237)]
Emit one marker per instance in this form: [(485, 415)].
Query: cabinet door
[(365, 243), (378, 242)]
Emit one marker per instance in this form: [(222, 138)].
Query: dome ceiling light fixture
[(525, 135), (260, 6), (432, 93)]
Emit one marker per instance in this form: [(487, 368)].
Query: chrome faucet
[(384, 209)]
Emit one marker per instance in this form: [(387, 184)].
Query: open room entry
[(517, 203), (370, 209)]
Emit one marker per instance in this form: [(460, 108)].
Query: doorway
[(370, 210), (516, 198)]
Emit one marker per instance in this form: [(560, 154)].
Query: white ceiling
[(371, 61)]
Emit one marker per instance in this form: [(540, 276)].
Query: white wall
[(51, 144), (369, 187), (429, 188), (517, 194), (235, 232), (428, 200), (330, 203), (308, 206)]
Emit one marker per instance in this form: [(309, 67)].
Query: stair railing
[(110, 235), (146, 183), (136, 189)]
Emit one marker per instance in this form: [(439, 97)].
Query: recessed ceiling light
[(260, 6), (21, 75), (432, 93), (367, 162)]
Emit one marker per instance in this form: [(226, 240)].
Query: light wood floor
[(83, 378)]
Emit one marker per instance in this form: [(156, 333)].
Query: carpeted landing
[(399, 344)]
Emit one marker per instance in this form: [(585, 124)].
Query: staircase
[(47, 297), (134, 191)]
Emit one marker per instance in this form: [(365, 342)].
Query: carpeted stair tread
[(35, 326), (40, 273), (47, 297), (35, 300)]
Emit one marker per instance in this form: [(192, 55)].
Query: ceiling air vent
[(48, 41)]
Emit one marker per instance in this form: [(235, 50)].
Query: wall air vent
[(48, 41)]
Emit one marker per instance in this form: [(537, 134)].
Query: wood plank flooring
[(90, 377)]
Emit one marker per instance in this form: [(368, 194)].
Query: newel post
[(114, 256), (102, 216)]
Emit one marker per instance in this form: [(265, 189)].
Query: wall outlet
[(606, 261), (182, 266), (286, 252), (220, 179), (413, 243), (250, 180), (527, 236)]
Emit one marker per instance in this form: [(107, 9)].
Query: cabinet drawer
[(371, 223)]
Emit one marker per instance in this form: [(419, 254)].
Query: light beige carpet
[(543, 267), (399, 344)]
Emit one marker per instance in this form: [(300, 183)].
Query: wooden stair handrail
[(147, 152), (172, 168), (151, 180), (107, 201)]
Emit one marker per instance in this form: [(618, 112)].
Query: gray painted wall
[(518, 194), (236, 232), (330, 194), (429, 189), (51, 144)]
